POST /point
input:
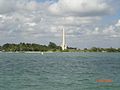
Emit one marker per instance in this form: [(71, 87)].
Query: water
[(59, 71)]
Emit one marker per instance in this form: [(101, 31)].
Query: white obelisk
[(63, 39)]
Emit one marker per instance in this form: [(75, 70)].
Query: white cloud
[(118, 24), (80, 8), (31, 24), (3, 16), (7, 6), (109, 30), (96, 31), (27, 18), (27, 5), (32, 5), (115, 36)]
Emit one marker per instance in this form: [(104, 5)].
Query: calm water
[(59, 71)]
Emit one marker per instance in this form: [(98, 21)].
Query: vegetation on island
[(95, 49), (29, 47), (23, 47)]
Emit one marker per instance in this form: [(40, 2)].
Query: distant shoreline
[(24, 52), (39, 52), (51, 47)]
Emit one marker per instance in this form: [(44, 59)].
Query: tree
[(118, 49), (111, 50), (52, 45), (94, 49), (0, 48)]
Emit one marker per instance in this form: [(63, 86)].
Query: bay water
[(59, 71)]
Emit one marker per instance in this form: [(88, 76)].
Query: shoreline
[(39, 52)]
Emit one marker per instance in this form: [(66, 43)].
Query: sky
[(87, 23)]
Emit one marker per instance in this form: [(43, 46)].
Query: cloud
[(118, 24), (106, 32), (71, 20), (80, 8), (7, 6), (31, 24), (30, 21), (27, 5)]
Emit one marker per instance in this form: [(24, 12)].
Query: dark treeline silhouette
[(8, 47), (29, 47), (95, 49)]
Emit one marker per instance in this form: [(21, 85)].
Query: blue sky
[(87, 23)]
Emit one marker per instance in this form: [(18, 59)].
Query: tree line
[(29, 47), (11, 47), (95, 49)]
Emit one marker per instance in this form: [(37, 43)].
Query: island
[(51, 47)]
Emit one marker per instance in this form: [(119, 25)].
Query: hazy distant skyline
[(87, 23)]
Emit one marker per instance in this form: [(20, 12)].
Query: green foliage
[(65, 50), (118, 49), (95, 49), (51, 47), (0, 48), (29, 47), (10, 47)]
